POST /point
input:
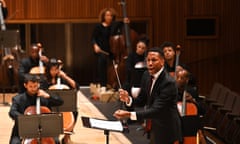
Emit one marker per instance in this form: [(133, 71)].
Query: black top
[(21, 101), (101, 34)]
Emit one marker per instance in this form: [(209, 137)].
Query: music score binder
[(102, 124)]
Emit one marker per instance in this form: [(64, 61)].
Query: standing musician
[(160, 98), (22, 101), (100, 41), (4, 9), (53, 72), (26, 64)]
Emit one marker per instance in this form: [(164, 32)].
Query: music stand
[(8, 39), (190, 125), (39, 126), (68, 96), (101, 124)]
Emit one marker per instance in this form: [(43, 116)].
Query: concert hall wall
[(65, 26)]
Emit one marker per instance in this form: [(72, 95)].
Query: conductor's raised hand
[(123, 95)]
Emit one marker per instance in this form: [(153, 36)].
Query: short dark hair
[(156, 49), (144, 38), (31, 77), (167, 44)]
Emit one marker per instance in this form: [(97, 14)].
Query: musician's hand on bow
[(122, 114), (123, 95), (44, 59), (42, 93)]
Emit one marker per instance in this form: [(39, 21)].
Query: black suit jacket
[(21, 101), (161, 108)]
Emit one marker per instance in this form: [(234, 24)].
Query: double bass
[(121, 46), (10, 54)]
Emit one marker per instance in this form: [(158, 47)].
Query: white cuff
[(133, 116), (130, 102)]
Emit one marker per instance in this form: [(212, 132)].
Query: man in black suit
[(22, 101), (160, 99)]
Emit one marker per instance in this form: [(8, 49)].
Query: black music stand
[(39, 126), (101, 124), (190, 125), (68, 96), (8, 39)]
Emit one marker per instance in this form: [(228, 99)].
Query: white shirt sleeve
[(130, 102), (133, 116)]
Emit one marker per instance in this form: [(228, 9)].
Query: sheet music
[(108, 125)]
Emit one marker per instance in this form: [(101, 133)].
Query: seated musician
[(135, 67), (57, 79), (135, 64), (22, 101), (4, 9), (26, 64), (168, 49), (182, 81)]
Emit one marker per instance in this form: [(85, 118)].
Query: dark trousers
[(102, 69)]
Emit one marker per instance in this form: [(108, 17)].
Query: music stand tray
[(69, 97), (42, 125), (101, 124)]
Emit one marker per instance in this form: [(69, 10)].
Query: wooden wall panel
[(72, 9), (211, 60)]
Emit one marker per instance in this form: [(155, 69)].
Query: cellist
[(22, 101), (26, 64), (54, 74), (107, 27)]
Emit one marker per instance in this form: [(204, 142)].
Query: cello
[(185, 108), (38, 109), (68, 118)]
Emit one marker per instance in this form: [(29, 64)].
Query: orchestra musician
[(52, 73), (26, 64), (107, 27), (135, 67), (182, 81), (23, 100), (168, 49), (160, 97)]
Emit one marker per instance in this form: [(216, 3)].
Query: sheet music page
[(108, 125)]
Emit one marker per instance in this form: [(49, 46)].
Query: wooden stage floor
[(82, 135)]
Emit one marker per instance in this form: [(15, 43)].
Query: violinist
[(100, 41), (22, 101), (26, 64), (52, 73), (4, 9)]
